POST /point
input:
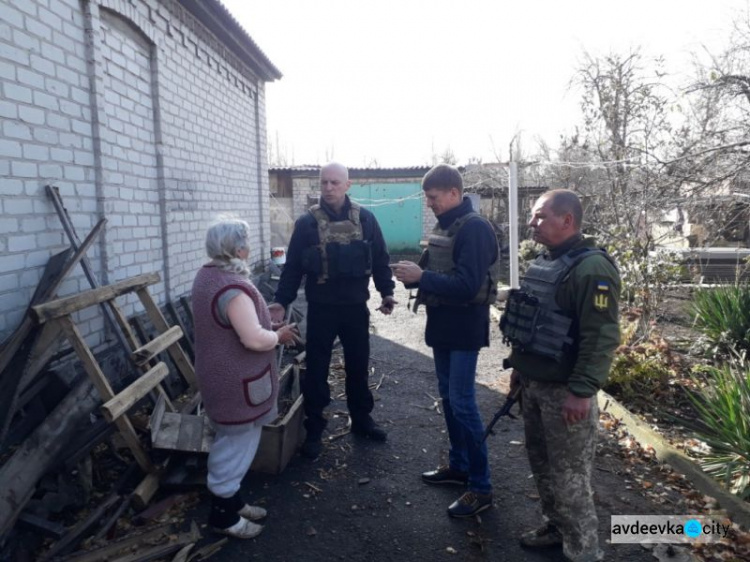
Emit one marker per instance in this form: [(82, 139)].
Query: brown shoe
[(470, 504), (543, 537)]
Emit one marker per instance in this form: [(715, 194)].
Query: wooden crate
[(278, 443), (280, 440)]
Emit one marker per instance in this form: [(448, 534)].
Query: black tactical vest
[(438, 257), (532, 321), (342, 251)]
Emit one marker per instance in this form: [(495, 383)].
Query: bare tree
[(717, 146), (613, 162)]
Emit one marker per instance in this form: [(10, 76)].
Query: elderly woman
[(236, 369)]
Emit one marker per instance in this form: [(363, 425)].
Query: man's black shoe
[(311, 448), (470, 504), (369, 429), (445, 475)]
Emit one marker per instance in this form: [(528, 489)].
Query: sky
[(395, 83)]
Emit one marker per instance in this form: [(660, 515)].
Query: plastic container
[(278, 255)]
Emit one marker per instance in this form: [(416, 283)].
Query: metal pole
[(513, 222)]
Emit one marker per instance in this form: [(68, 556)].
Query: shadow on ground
[(363, 501)]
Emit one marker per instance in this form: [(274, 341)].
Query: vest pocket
[(259, 388)]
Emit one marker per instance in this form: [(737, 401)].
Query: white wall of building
[(147, 120)]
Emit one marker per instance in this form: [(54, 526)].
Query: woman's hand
[(289, 335)]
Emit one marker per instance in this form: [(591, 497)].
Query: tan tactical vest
[(339, 232)]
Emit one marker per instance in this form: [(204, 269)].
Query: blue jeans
[(456, 371)]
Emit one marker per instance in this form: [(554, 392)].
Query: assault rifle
[(503, 411)]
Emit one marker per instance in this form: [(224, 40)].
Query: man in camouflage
[(563, 326)]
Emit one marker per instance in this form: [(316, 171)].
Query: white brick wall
[(162, 132)]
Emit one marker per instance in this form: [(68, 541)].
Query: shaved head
[(564, 201), (340, 169), (556, 217), (334, 183)]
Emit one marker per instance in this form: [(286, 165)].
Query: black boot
[(225, 511), (226, 520), (366, 427)]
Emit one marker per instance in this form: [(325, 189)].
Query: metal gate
[(398, 208)]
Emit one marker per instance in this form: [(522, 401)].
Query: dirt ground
[(363, 501)]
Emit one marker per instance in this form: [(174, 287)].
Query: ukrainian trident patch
[(601, 296)]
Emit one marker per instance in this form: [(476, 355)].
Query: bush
[(645, 276), (723, 405), (722, 315), (527, 253), (642, 366)]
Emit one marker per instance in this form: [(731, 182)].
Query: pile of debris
[(71, 444)]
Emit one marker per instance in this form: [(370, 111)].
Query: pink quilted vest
[(238, 385)]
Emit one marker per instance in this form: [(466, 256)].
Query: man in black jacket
[(457, 281), (338, 245)]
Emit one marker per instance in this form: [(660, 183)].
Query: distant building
[(394, 195)]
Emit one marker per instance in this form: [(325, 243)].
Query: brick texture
[(149, 121)]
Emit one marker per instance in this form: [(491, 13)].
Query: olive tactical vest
[(340, 233), (532, 321), (438, 257)]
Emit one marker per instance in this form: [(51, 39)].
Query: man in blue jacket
[(457, 279), (338, 245)]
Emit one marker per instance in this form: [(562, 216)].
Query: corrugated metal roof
[(308, 168), (216, 17), (410, 172)]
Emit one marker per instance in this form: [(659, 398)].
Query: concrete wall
[(138, 114)]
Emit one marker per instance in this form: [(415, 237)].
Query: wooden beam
[(75, 535), (116, 406), (160, 551), (45, 347), (157, 414), (175, 351), (131, 543), (145, 353), (124, 325), (175, 314), (132, 339), (32, 459), (187, 308), (134, 343), (55, 272), (39, 524), (190, 406), (105, 390), (57, 269), (69, 305), (112, 519), (145, 490), (42, 343)]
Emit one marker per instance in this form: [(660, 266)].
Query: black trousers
[(351, 323)]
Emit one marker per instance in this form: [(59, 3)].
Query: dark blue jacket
[(461, 327), (341, 290)]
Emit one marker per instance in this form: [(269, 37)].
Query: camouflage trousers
[(561, 458)]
